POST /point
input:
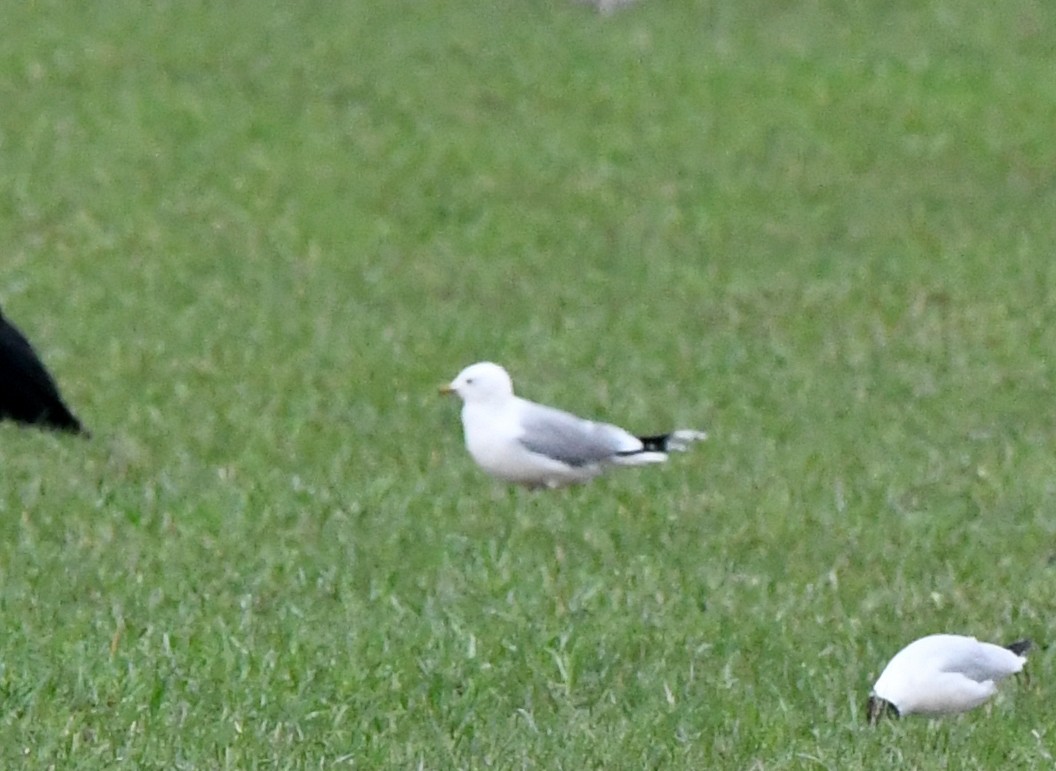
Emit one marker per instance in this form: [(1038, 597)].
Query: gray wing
[(570, 439), (986, 661)]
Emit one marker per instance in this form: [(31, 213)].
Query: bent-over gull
[(944, 673), (28, 393), (525, 443)]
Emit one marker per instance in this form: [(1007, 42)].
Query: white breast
[(492, 438)]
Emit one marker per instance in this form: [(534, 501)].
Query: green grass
[(251, 238)]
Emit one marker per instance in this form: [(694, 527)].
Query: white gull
[(525, 443), (942, 674)]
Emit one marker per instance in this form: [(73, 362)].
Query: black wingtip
[(657, 443), (673, 441), (1020, 647)]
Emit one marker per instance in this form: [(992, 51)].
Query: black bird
[(28, 394)]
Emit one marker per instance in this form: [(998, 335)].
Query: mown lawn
[(250, 239)]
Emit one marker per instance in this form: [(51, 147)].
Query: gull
[(530, 444), (942, 674), (28, 394)]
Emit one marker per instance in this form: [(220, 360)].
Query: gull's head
[(481, 382), (878, 708)]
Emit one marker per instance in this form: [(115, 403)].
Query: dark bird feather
[(28, 393), (1020, 647)]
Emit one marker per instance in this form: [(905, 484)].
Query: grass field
[(250, 239)]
